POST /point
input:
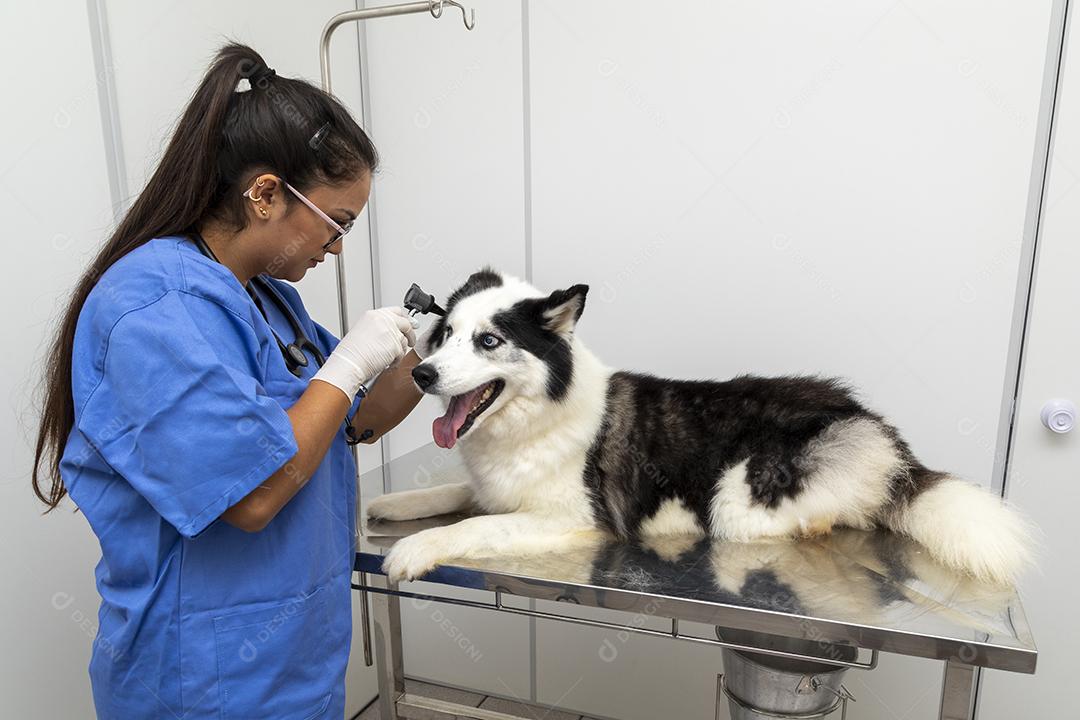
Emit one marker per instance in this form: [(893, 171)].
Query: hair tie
[(263, 73)]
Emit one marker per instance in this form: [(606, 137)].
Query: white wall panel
[(767, 188), (595, 671), (54, 197), (792, 188), (446, 115), (1044, 469)]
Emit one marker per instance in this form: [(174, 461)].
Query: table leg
[(388, 660), (958, 691)]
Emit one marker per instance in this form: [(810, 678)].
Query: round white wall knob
[(1059, 415)]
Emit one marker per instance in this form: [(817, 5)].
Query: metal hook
[(843, 693), (469, 18)]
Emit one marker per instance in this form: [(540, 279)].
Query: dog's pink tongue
[(445, 428)]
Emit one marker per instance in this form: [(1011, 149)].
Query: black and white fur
[(563, 446)]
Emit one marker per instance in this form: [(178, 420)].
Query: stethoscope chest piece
[(299, 359)]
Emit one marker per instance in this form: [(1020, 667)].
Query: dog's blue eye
[(489, 341)]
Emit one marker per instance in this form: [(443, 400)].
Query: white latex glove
[(377, 340)]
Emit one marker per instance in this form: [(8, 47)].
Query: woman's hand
[(377, 340)]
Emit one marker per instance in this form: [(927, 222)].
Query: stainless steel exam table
[(874, 591)]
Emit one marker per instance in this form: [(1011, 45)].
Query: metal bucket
[(768, 686)]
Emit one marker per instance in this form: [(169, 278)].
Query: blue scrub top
[(180, 394)]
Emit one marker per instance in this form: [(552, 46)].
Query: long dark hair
[(224, 136)]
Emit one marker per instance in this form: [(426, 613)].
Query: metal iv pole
[(435, 7)]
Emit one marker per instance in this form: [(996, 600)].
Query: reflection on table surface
[(877, 580)]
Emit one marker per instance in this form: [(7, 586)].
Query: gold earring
[(263, 211)]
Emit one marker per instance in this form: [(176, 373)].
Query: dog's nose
[(425, 375)]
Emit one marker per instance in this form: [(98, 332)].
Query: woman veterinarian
[(204, 440)]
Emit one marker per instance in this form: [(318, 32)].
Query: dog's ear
[(483, 279), (562, 309)]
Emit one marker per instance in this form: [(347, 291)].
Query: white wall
[(54, 197), (1045, 467), (799, 189)]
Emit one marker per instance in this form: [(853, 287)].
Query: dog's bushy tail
[(963, 526)]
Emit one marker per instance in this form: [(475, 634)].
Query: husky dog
[(559, 446)]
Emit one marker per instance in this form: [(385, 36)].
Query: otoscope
[(418, 301)]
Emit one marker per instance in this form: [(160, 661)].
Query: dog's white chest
[(536, 478)]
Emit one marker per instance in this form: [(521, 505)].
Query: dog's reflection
[(872, 578), (849, 575)]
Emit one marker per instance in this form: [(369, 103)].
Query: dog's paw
[(390, 507), (415, 555)]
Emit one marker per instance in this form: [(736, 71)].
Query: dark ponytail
[(225, 136)]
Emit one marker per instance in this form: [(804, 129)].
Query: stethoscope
[(294, 353)]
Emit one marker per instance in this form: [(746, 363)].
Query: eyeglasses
[(340, 230)]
